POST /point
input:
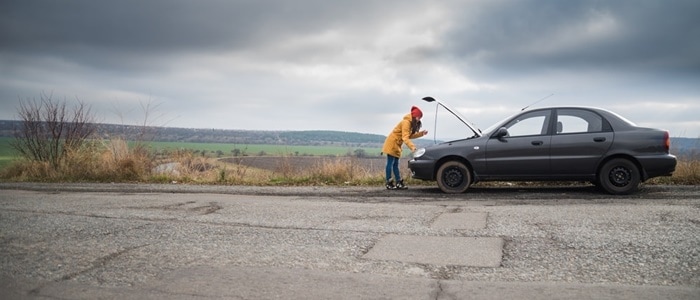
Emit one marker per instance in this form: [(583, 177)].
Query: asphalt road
[(131, 241)]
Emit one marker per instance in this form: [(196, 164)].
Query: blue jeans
[(392, 164)]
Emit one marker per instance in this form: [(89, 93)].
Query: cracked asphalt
[(134, 241)]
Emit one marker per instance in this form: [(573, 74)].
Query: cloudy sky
[(351, 65)]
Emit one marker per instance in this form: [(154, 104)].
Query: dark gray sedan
[(550, 144)]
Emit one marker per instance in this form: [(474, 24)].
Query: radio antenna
[(538, 101)]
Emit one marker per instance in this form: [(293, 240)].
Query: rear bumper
[(422, 169), (658, 165)]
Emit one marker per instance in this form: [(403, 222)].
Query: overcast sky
[(351, 65)]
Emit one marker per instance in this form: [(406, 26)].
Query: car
[(561, 143)]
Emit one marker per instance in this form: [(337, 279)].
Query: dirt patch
[(277, 163)]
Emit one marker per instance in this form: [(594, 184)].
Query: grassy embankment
[(118, 161), (205, 163)]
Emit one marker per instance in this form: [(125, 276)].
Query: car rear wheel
[(454, 177), (619, 177)]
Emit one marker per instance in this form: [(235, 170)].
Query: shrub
[(49, 131)]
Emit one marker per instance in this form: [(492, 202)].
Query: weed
[(222, 175)]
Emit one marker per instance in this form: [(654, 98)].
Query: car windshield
[(495, 126)]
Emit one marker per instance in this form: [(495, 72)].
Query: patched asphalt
[(438, 250)]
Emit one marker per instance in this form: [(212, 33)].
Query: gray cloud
[(536, 35), (352, 65)]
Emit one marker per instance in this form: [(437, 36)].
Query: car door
[(580, 140), (524, 151)]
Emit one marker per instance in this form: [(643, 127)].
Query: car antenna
[(538, 101)]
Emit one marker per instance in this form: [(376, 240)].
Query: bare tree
[(48, 129), (148, 127)]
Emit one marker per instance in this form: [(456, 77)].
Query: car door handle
[(537, 143), (599, 139)]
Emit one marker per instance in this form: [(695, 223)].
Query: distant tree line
[(679, 146), (195, 135)]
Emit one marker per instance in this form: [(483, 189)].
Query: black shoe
[(390, 185), (401, 185)]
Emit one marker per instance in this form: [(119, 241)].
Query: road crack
[(438, 290), (211, 208), (98, 263)]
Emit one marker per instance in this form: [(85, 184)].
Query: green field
[(7, 154), (275, 150)]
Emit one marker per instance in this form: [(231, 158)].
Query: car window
[(578, 121), (532, 123)]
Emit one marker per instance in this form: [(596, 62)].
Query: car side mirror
[(501, 132)]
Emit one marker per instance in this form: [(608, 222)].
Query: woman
[(406, 130)]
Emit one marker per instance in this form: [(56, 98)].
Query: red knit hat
[(416, 112)]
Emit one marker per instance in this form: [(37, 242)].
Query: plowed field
[(301, 163)]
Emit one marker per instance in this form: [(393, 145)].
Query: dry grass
[(687, 173), (325, 171), (344, 170), (100, 162), (115, 161)]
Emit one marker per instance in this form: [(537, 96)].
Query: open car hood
[(477, 132)]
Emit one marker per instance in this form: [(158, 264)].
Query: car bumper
[(657, 165), (422, 169)]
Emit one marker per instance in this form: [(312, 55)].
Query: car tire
[(619, 176), (454, 177)]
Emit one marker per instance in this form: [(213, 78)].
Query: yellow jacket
[(400, 135)]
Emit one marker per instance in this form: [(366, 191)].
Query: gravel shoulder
[(476, 192)]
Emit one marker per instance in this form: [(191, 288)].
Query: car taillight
[(667, 141)]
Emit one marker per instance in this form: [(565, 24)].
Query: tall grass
[(117, 160), (687, 173), (95, 161), (326, 171)]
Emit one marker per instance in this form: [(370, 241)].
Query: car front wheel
[(619, 177), (453, 177)]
